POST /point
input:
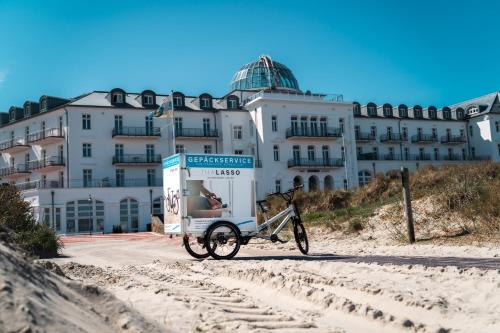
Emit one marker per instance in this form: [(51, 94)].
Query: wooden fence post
[(405, 179)]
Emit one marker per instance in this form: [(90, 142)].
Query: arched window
[(158, 206), (205, 101), (129, 214), (356, 108), (403, 111), (371, 109), (387, 109), (178, 99), (117, 96), (460, 113), (446, 113), (148, 99), (329, 184), (364, 177), (432, 112), (417, 112), (84, 215), (313, 184), (297, 181)]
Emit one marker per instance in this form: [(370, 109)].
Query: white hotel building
[(94, 161)]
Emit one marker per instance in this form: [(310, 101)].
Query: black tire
[(222, 240), (195, 247), (301, 237)]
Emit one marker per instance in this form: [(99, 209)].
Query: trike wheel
[(301, 237), (222, 240), (195, 247)]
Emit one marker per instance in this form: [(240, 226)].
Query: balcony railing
[(313, 132), (137, 159), (316, 163), (136, 131), (108, 182), (393, 137), (391, 157), (46, 163), (364, 136), (51, 133), (368, 157), (39, 184), (452, 157), (14, 145), (424, 138), (196, 132), (453, 139), (13, 170)]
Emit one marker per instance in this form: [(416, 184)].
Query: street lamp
[(90, 215)]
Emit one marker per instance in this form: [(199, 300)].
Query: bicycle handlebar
[(288, 195)]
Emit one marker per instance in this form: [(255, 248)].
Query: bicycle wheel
[(301, 237), (195, 247), (168, 204), (222, 240)]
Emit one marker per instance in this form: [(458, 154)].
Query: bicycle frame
[(286, 214)]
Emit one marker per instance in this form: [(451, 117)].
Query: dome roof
[(264, 73)]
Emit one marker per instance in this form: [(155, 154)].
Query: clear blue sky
[(427, 52)]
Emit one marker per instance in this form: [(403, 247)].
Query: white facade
[(101, 152)]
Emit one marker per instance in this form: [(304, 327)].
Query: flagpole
[(173, 122)]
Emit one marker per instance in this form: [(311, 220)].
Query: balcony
[(136, 160), (452, 157), (38, 184), (196, 133), (364, 137), (107, 182), (48, 164), (15, 171), (327, 163), (453, 139), (136, 132), (391, 157), (313, 132), (419, 157), (368, 157), (14, 146), (392, 138), (48, 136), (424, 138)]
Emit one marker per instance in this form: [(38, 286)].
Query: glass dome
[(264, 73)]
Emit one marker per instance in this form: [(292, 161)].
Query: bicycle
[(223, 239), (172, 202)]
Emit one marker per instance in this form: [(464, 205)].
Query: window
[(446, 113), (294, 124), (120, 177), (323, 126), (391, 152), (151, 174), (274, 123), (117, 98), (303, 125), (85, 122), (237, 132), (342, 153), (372, 109), (60, 122), (356, 109), (432, 112), (118, 124), (473, 152), (206, 127), (207, 149), (205, 103), (405, 133), (157, 206), (46, 216), (497, 126), (276, 153), (471, 131), (87, 177), (417, 112), (421, 153), (403, 111), (87, 150), (406, 153), (464, 154), (150, 152), (179, 149), (149, 125), (61, 179), (325, 152), (129, 214), (148, 99), (450, 153), (387, 109), (58, 219), (375, 153), (277, 185), (232, 104), (310, 153), (314, 126), (359, 151), (462, 133), (434, 133), (178, 125), (296, 153), (238, 152), (119, 152), (341, 125), (436, 154), (364, 177), (373, 131), (177, 101), (460, 113)]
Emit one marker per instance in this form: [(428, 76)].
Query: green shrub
[(17, 220)]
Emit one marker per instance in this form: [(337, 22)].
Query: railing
[(48, 133), (479, 158), (364, 136), (136, 158), (196, 132), (12, 143), (258, 163), (420, 157), (295, 96), (47, 162), (19, 168), (453, 139), (107, 182), (319, 162), (391, 157), (39, 184), (136, 131), (313, 132), (392, 137), (424, 138), (452, 157), (368, 156)]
